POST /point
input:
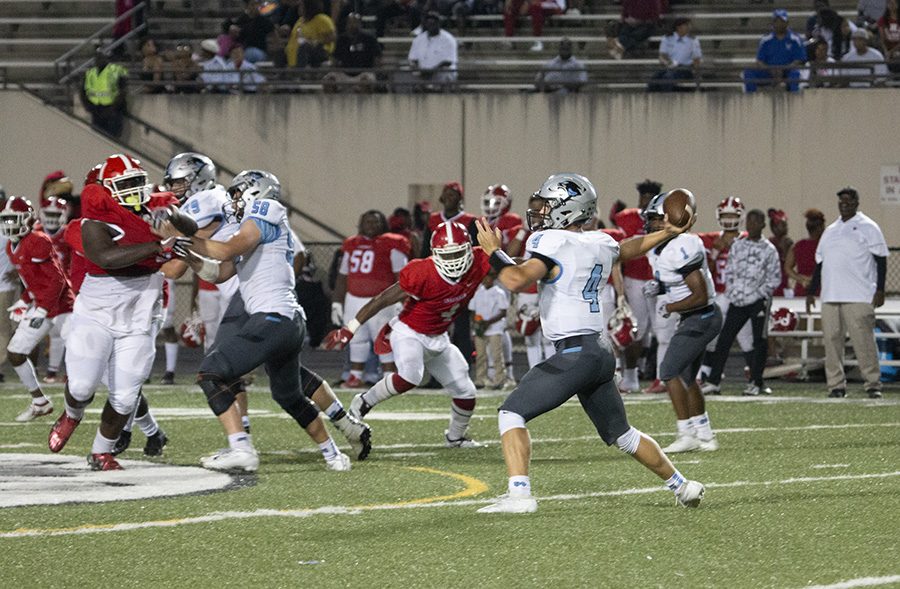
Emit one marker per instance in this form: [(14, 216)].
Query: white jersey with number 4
[(570, 303), (267, 274), (677, 258)]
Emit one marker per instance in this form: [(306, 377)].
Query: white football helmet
[(495, 202), (451, 249), (568, 198), (730, 206)]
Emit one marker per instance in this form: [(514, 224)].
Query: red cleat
[(354, 382), (105, 461), (656, 388), (61, 432)]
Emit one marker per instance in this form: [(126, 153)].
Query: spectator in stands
[(638, 23), (800, 261), (433, 54), (312, 39), (255, 30), (869, 12), (412, 9), (228, 37), (813, 21), (862, 53), (103, 94), (889, 33), (244, 76), (851, 267), (564, 73), (778, 52), (818, 71), (836, 31), (184, 70), (151, 67), (539, 11), (213, 66), (357, 50), (778, 225), (680, 53), (458, 10)]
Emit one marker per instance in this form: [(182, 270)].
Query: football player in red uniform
[(54, 215), (112, 328), (371, 262), (46, 301), (434, 291)]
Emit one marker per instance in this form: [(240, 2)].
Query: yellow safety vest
[(102, 87)]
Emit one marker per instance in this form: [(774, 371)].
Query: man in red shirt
[(434, 291), (371, 262), (46, 301)]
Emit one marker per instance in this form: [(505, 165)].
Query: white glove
[(36, 316), (661, 309), (337, 314), (18, 310), (650, 289)]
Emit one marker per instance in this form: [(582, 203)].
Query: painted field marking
[(473, 487), (821, 466), (860, 582)]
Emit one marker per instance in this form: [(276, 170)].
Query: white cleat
[(232, 459), (709, 388), (690, 494), (358, 407), (339, 463), (710, 445), (751, 390), (462, 442), (35, 411), (358, 434), (682, 444), (509, 504)]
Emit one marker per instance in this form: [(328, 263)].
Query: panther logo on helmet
[(54, 212), (126, 180), (528, 319), (192, 331), (622, 327), (730, 206), (16, 218), (451, 249), (495, 202), (783, 319), (568, 199)]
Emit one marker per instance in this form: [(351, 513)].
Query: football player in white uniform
[(571, 266), (686, 287)]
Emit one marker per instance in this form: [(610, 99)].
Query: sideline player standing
[(571, 267)]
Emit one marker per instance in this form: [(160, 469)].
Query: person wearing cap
[(777, 50), (103, 93), (860, 52), (433, 54), (851, 266), (213, 66), (679, 53)]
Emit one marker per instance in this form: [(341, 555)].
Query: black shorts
[(688, 345)]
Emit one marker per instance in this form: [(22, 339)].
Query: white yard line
[(860, 582)]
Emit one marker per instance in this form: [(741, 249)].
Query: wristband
[(353, 325), (500, 260), (209, 271)]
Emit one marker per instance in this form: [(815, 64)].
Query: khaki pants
[(482, 343), (7, 327), (859, 320)]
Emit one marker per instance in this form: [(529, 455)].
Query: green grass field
[(803, 492)]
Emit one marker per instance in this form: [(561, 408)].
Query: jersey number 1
[(591, 291)]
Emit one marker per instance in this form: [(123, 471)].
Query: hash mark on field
[(473, 487), (19, 445), (860, 582), (821, 466)]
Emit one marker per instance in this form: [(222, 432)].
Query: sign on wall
[(890, 185)]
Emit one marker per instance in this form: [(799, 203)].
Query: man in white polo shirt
[(680, 53), (433, 54), (851, 264)]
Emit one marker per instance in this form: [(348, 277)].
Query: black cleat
[(155, 444), (122, 443), (874, 393), (837, 393), (168, 378)]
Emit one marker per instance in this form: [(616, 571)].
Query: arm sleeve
[(816, 281), (398, 260), (345, 264), (267, 231), (697, 53), (881, 269), (773, 274)]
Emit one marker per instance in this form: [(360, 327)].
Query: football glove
[(18, 310), (181, 246), (651, 289), (337, 314), (338, 339), (382, 344), (661, 309)]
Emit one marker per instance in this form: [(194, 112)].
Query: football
[(680, 206)]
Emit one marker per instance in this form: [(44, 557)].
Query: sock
[(329, 450), (26, 374), (245, 423), (239, 441), (57, 348), (171, 356), (684, 428), (630, 375), (675, 482), (461, 411), (40, 401), (148, 424), (102, 445), (701, 427), (381, 390), (357, 373), (76, 413), (335, 411), (130, 423), (519, 486)]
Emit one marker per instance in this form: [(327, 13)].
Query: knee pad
[(123, 402), (80, 392), (309, 381), (628, 442), (300, 408), (219, 395), (508, 420), (465, 388)]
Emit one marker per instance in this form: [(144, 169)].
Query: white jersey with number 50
[(570, 303), (267, 274)]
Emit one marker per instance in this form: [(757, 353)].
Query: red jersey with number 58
[(371, 264), (434, 301)]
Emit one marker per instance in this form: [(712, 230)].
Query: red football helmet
[(495, 202), (451, 249), (16, 218), (528, 319), (93, 175), (730, 206), (54, 212), (126, 180), (193, 332), (622, 327), (783, 319)]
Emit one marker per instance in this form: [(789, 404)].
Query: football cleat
[(61, 432), (35, 411), (710, 445), (874, 393), (690, 494), (709, 388), (155, 444), (122, 443), (354, 382), (228, 459), (52, 377), (682, 444), (656, 387), (339, 463), (462, 442), (105, 461), (509, 504), (358, 434), (358, 407), (765, 390), (168, 378), (837, 393), (751, 390)]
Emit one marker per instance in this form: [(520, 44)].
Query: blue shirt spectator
[(781, 47)]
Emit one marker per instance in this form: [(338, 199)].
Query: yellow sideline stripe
[(472, 488)]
